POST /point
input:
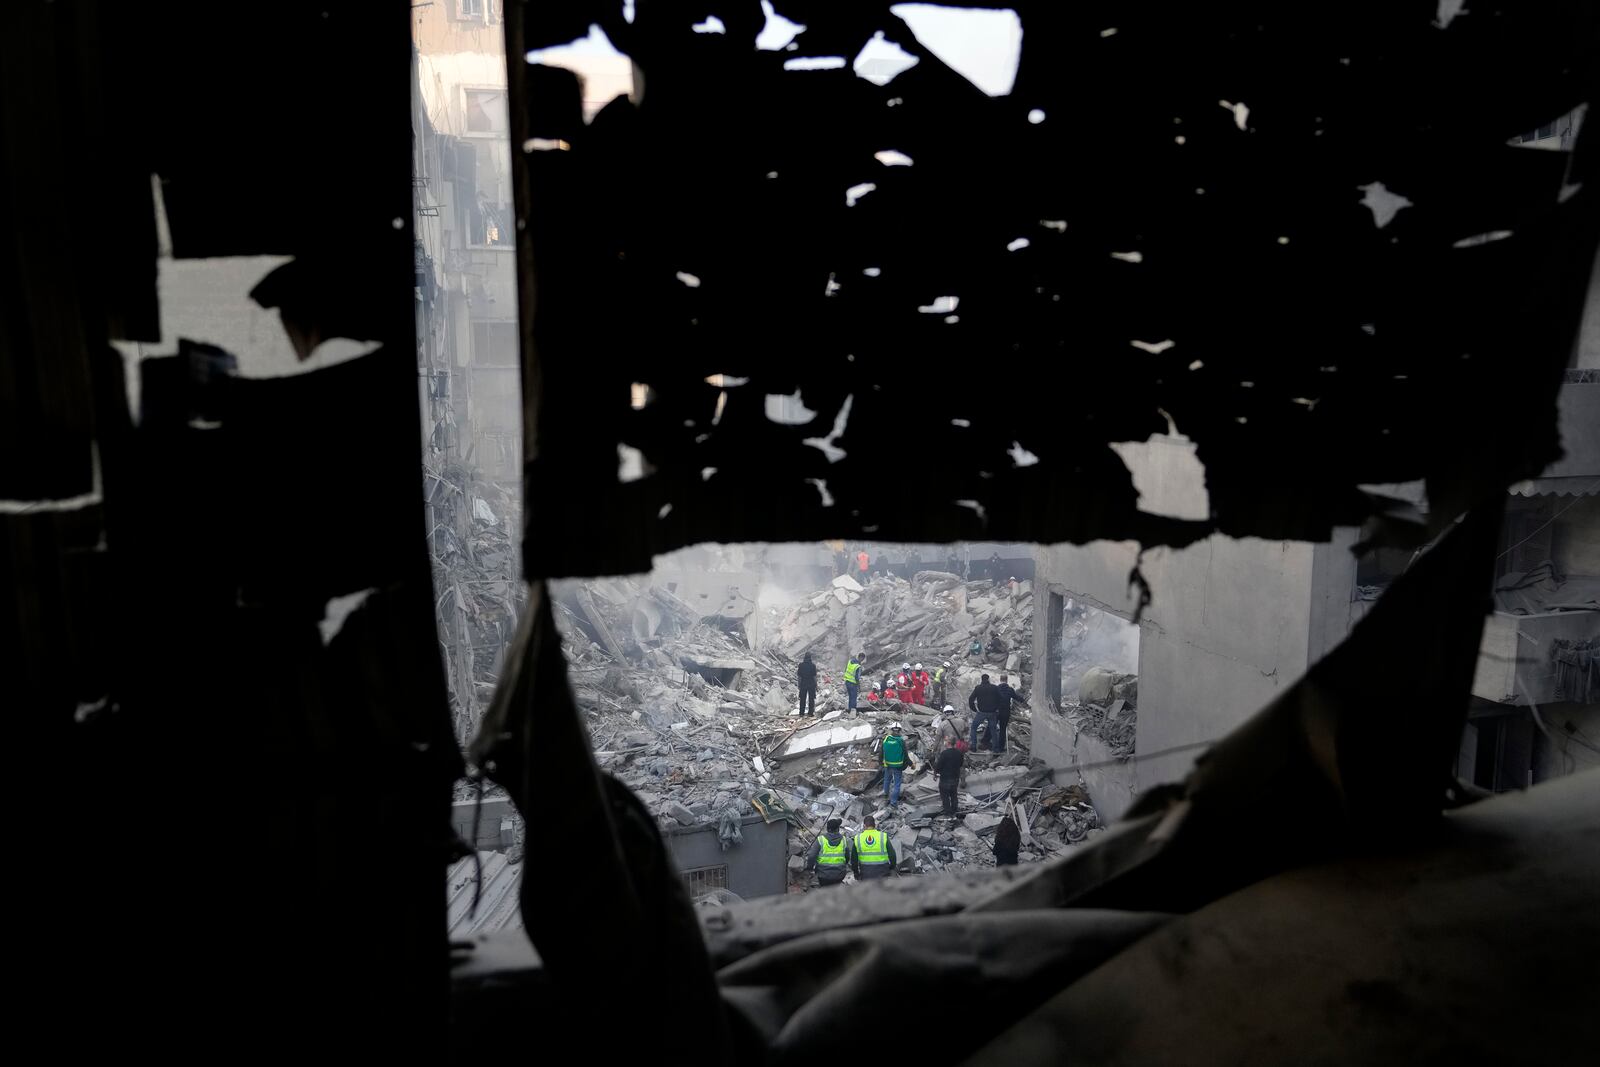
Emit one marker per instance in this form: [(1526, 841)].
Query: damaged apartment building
[(1243, 619), (434, 434)]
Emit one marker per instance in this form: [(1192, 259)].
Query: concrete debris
[(474, 555), (825, 737), (699, 716), (981, 822), (1116, 722)]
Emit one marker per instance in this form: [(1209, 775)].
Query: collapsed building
[(1332, 278), (701, 717)]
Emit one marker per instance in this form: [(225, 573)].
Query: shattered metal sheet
[(1298, 232)]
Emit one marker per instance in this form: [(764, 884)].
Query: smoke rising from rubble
[(1097, 638)]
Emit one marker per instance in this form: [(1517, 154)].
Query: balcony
[(1516, 660)]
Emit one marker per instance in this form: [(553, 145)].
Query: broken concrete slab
[(845, 582), (597, 620), (827, 736), (682, 813), (859, 780), (983, 783), (721, 663), (981, 822)]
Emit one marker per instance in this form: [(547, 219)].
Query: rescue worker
[(1008, 696), (852, 680), (902, 684), (893, 755), (877, 693), (954, 727), (919, 684), (939, 696), (984, 704), (829, 855), (873, 853), (947, 771), (807, 675), (862, 559)]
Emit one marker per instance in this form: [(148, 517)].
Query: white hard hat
[(894, 726), (905, 666), (949, 707), (946, 663), (919, 666)]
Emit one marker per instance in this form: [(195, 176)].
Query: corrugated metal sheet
[(1571, 486), (497, 903)]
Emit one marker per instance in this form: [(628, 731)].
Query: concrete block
[(981, 823), (826, 736), (980, 783), (1095, 686), (682, 814)]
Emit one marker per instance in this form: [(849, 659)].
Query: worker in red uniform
[(877, 693), (902, 683), (862, 559), (919, 685)]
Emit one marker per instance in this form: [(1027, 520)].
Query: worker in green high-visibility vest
[(872, 853), (852, 679), (892, 752), (829, 855)]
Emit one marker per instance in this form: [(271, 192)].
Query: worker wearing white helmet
[(952, 726), (921, 684)]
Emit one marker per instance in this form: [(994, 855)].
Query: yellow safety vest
[(831, 855), (852, 672), (872, 847), (938, 675)]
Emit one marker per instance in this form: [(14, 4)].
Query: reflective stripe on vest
[(831, 855), (852, 672), (872, 847)]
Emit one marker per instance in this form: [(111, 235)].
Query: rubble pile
[(934, 617), (474, 554), (706, 729), (1107, 708)]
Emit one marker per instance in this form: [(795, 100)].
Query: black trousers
[(947, 794), (808, 701)]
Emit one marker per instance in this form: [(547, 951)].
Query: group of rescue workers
[(869, 853)]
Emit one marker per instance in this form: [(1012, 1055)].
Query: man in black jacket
[(808, 685), (947, 769), (829, 855), (985, 706), (1008, 696), (1007, 840)]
